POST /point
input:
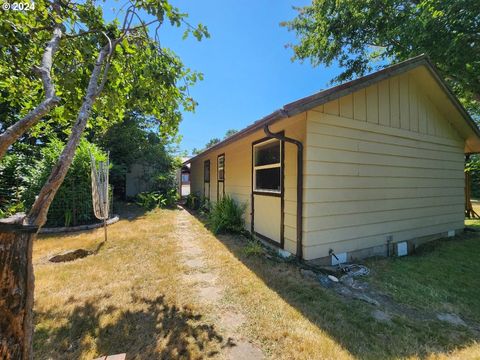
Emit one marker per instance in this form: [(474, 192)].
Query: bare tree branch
[(11, 134)]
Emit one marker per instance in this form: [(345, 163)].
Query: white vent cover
[(451, 233), (402, 248)]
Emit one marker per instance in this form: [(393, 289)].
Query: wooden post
[(16, 288)]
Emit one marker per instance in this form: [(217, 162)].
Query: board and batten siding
[(380, 162), (238, 174)]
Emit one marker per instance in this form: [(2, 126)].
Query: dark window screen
[(268, 179), (206, 171)]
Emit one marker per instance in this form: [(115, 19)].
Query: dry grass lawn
[(132, 297)]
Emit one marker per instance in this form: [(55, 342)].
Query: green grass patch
[(440, 277)]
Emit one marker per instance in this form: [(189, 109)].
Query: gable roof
[(324, 96)]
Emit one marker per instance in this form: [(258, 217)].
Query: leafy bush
[(73, 202), (226, 216), (13, 181), (154, 199), (197, 202), (473, 166), (205, 205), (193, 201)]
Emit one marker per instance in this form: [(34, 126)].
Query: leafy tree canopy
[(230, 132), (358, 34), (214, 141), (142, 76), (144, 146)]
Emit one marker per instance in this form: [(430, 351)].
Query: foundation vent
[(402, 248)]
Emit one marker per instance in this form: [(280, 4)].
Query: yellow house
[(356, 169)]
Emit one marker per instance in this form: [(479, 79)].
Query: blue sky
[(248, 71)]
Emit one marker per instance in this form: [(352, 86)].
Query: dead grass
[(128, 298), (131, 298)]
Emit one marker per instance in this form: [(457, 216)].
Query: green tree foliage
[(136, 74), (360, 34), (230, 132), (13, 182), (214, 141), (144, 146), (73, 203), (142, 75)]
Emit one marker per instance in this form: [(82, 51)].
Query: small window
[(206, 171), (267, 166), (221, 168)]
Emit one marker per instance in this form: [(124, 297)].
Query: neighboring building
[(139, 179), (382, 163), (183, 179)]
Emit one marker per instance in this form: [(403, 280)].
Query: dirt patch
[(208, 278), (232, 320), (210, 294), (192, 250), (194, 263), (205, 278), (243, 350)]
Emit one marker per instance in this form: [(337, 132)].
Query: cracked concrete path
[(202, 278)]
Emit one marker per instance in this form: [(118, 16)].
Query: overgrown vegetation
[(145, 147), (193, 201), (198, 203), (13, 183), (157, 199), (226, 216), (73, 203)]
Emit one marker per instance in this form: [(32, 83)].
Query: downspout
[(299, 184)]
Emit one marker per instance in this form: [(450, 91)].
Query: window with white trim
[(221, 168), (267, 169)]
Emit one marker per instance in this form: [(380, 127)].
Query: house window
[(221, 168), (206, 171), (268, 166)]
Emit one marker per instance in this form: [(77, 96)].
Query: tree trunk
[(16, 288)]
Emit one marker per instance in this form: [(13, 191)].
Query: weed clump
[(226, 216)]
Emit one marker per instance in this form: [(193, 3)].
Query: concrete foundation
[(387, 249)]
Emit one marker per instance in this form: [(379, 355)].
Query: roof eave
[(322, 97)]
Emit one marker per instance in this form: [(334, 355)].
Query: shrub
[(253, 248), (205, 205), (13, 170), (193, 202), (226, 216), (73, 202), (153, 199)]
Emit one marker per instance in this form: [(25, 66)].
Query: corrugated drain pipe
[(299, 184)]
